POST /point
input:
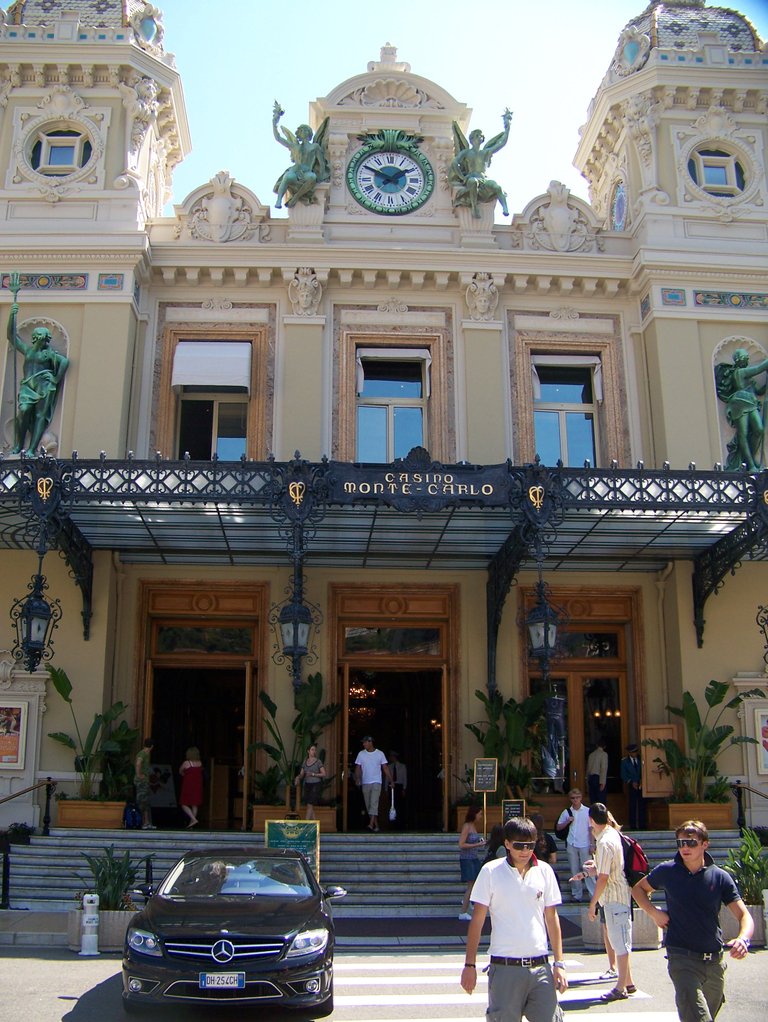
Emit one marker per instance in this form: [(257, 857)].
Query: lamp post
[(295, 621), (543, 621)]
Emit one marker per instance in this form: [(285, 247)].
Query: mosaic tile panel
[(731, 299), (49, 281)]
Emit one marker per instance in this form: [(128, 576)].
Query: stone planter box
[(730, 926), (74, 812), (112, 927), (646, 936), (669, 815)]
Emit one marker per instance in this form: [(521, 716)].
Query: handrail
[(50, 786), (5, 874), (738, 788)]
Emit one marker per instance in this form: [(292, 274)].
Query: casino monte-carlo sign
[(428, 488)]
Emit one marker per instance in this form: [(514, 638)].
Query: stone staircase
[(386, 875)]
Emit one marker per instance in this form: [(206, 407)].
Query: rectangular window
[(391, 408), (565, 413), (212, 424)]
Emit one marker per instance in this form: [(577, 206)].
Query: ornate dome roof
[(82, 19), (680, 25)]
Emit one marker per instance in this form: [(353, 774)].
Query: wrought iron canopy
[(413, 514)]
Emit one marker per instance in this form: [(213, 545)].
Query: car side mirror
[(335, 892), (145, 890)]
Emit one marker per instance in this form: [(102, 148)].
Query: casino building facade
[(382, 417)]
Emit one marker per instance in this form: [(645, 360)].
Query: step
[(411, 874)]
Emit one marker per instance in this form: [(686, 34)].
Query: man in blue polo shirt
[(695, 888)]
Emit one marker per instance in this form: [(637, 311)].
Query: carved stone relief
[(305, 292), (559, 225), (482, 297), (224, 211)]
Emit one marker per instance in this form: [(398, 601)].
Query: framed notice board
[(485, 774), (511, 807), (303, 835)]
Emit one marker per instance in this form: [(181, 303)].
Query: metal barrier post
[(50, 787), (89, 938)]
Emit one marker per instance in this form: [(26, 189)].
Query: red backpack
[(636, 864)]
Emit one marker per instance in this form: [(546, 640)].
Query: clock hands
[(391, 175)]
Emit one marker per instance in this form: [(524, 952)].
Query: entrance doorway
[(403, 711), (206, 708)]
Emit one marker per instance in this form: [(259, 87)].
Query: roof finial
[(388, 61)]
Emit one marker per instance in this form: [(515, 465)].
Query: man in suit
[(632, 776)]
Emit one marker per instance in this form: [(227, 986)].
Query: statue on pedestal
[(466, 174), (38, 391), (310, 164), (734, 385)]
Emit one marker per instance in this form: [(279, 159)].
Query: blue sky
[(543, 60)]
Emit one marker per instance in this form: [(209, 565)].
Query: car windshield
[(204, 876)]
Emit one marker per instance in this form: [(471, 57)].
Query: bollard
[(89, 938)]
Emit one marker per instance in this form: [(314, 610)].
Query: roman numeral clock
[(389, 174)]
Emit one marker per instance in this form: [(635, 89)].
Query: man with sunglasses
[(522, 894), (695, 888)]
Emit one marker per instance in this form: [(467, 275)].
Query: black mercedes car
[(233, 926)]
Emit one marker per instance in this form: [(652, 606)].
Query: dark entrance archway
[(403, 711)]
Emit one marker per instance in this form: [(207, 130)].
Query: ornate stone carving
[(141, 102), (559, 226), (217, 304), (222, 213), (632, 51), (148, 30), (482, 297), (642, 114), (564, 312), (390, 92), (392, 305), (305, 292)]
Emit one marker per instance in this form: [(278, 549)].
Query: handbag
[(392, 810)]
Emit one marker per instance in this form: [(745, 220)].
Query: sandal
[(614, 995), (631, 989)]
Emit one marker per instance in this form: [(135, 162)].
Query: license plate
[(214, 980)]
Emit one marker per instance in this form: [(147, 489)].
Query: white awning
[(212, 364), (393, 355), (592, 361)]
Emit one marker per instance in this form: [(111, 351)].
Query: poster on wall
[(761, 733), (13, 734)]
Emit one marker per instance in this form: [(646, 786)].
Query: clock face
[(390, 182)]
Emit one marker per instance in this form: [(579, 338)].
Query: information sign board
[(485, 774), (303, 835)]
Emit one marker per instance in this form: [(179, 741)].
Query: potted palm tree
[(102, 739), (112, 878), (748, 865), (287, 755), (699, 790)]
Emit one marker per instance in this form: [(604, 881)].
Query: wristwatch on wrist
[(558, 965)]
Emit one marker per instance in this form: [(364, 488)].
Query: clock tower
[(390, 144)]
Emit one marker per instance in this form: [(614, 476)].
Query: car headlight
[(144, 942), (308, 942)]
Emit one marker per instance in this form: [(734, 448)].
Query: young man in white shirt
[(368, 767), (522, 894), (577, 843)]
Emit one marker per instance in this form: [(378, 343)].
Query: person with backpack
[(572, 826), (612, 892)]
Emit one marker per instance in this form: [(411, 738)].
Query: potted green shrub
[(699, 790), (287, 755), (748, 865), (19, 833), (112, 878), (510, 731), (90, 808)]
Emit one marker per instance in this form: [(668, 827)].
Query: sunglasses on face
[(523, 846), (687, 842)]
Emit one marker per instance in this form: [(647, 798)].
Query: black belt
[(525, 963), (702, 956)]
